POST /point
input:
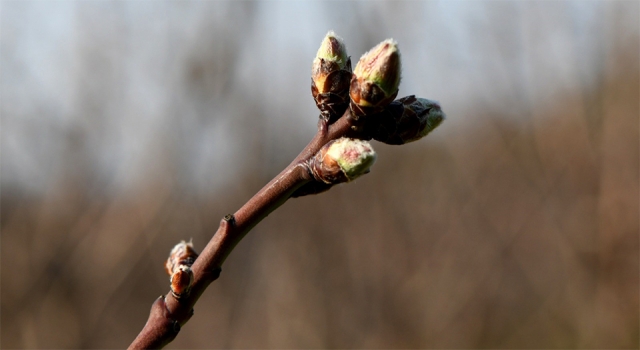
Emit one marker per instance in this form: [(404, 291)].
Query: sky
[(121, 91)]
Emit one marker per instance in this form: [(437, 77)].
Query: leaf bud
[(181, 254), (406, 120), (330, 77), (342, 160), (181, 281), (332, 50), (376, 78)]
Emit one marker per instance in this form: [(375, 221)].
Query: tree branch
[(356, 105), (169, 313)]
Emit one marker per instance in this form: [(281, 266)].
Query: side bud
[(406, 120), (178, 266), (375, 80), (181, 281), (342, 160), (181, 254), (330, 77)]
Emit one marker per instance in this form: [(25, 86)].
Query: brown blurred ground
[(518, 229)]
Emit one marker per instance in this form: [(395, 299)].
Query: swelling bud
[(406, 120), (181, 281), (178, 266), (181, 254), (331, 54), (330, 77), (342, 160), (376, 78)]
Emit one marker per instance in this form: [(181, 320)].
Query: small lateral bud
[(181, 281), (406, 120), (375, 79), (178, 266), (181, 254), (342, 160), (330, 77)]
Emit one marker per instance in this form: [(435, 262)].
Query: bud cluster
[(178, 266)]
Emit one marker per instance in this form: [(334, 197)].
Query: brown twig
[(168, 313)]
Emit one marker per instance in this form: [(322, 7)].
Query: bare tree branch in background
[(355, 107)]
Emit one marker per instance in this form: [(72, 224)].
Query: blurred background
[(128, 126)]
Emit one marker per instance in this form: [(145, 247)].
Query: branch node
[(229, 218), (176, 327), (160, 328), (213, 274)]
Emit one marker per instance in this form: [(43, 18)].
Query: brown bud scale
[(178, 266), (181, 281), (326, 169), (181, 254), (330, 88)]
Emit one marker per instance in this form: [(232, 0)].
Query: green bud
[(342, 160), (333, 49), (330, 77), (430, 114), (354, 156), (406, 120), (376, 78), (381, 66)]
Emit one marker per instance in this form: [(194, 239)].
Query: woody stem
[(168, 313)]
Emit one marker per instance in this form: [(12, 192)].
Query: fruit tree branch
[(354, 107)]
